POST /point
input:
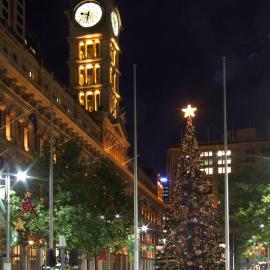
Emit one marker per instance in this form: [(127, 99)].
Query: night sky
[(177, 46)]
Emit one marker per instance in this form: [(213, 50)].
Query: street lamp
[(144, 228), (20, 176)]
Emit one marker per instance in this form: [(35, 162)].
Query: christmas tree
[(192, 228)]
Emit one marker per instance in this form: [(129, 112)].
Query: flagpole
[(136, 236), (226, 178)]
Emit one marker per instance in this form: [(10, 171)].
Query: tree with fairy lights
[(192, 228)]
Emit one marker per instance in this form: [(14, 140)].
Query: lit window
[(54, 158), (97, 100), (208, 170), (31, 75), (210, 154), (89, 101), (205, 162), (220, 153), (90, 51), (210, 161), (97, 73), (97, 51), (81, 98), (222, 161), (8, 128), (26, 139), (221, 170)]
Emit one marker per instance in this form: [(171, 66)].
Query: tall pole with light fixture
[(20, 176), (7, 265), (51, 181), (226, 178), (136, 240)]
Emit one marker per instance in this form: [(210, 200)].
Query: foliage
[(192, 228), (249, 189), (88, 197)]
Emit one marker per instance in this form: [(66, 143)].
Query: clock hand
[(87, 15)]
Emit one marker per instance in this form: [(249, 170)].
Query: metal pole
[(254, 257), (226, 179), (63, 257), (233, 256), (268, 255), (136, 240), (51, 181), (7, 265)]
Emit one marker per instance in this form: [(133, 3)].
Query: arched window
[(90, 51), (43, 139), (97, 101), (82, 52), (81, 77), (13, 126), (97, 74), (2, 122), (32, 132), (31, 137), (8, 127), (81, 98), (20, 132), (97, 45), (90, 76), (26, 139), (90, 101)]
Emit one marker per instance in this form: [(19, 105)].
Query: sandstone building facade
[(87, 110)]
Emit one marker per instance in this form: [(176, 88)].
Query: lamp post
[(51, 181), (268, 254), (136, 240), (7, 264), (20, 176), (254, 246), (226, 178)]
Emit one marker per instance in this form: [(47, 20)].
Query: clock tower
[(94, 28)]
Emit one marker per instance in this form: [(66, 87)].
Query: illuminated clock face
[(88, 14), (115, 23)]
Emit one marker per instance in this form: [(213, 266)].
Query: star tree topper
[(189, 111)]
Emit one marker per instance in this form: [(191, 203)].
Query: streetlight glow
[(21, 176), (144, 228)]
